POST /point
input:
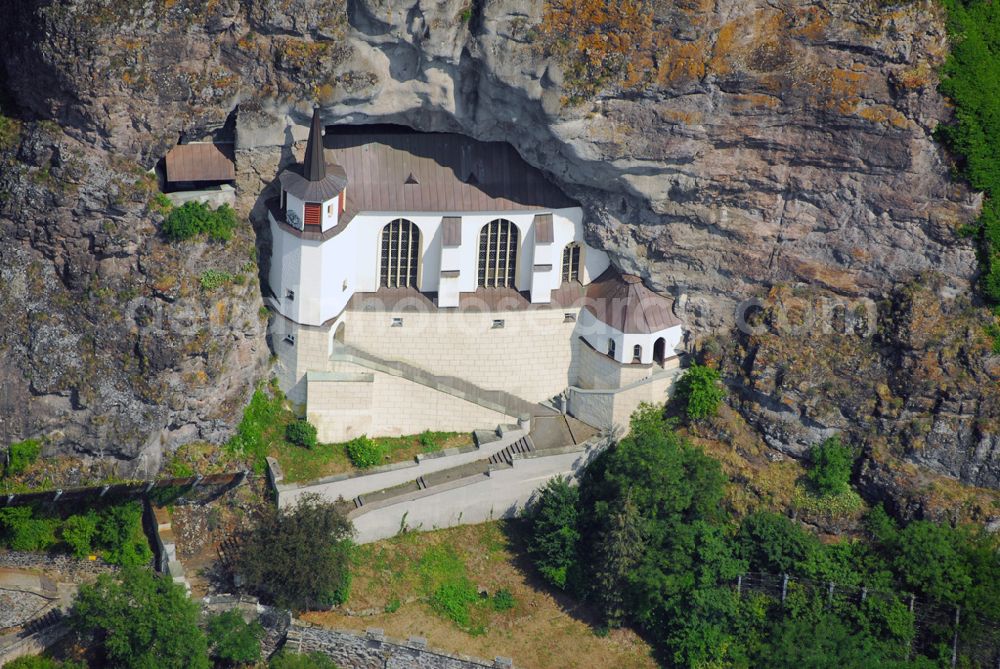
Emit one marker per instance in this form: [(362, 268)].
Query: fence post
[(829, 594), (784, 587), (10, 499), (909, 643), (104, 491), (57, 495), (864, 593), (954, 641), (739, 586)]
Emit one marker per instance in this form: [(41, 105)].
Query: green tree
[(120, 535), (830, 466), (929, 558), (289, 660), (818, 643), (232, 640), (772, 543), (971, 78), (699, 392), (553, 535), (619, 549), (298, 557), (140, 621)]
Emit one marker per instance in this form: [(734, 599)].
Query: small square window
[(397, 322), (289, 294), (290, 339), (569, 318), (498, 324)]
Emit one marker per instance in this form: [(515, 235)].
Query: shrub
[(699, 392), (140, 620), (41, 662), (196, 218), (301, 433), (503, 600), (120, 535), (79, 531), (830, 467), (233, 640), (22, 455), (21, 529), (363, 452)]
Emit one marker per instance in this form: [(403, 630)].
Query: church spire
[(314, 168)]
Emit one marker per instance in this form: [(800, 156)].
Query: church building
[(432, 281)]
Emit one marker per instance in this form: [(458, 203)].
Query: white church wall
[(531, 356), (343, 407), (294, 207), (331, 213)]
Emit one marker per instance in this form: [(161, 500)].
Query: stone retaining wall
[(373, 650), (74, 568)]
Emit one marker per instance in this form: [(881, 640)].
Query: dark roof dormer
[(314, 180)]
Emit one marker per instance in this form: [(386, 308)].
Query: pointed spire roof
[(314, 166), (314, 180)]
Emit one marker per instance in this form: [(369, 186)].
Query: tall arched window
[(611, 348), (400, 254), (498, 254), (571, 263), (636, 353)]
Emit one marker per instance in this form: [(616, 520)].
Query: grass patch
[(213, 279), (302, 464), (427, 583), (263, 432)]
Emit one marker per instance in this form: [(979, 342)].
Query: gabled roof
[(395, 170), (624, 303), (200, 161)]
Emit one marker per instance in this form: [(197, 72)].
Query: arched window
[(636, 353), (400, 254), (571, 263), (498, 254), (611, 348)]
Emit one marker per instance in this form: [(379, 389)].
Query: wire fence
[(940, 630)]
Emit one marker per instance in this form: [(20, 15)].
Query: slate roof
[(624, 303), (414, 171), (200, 161)]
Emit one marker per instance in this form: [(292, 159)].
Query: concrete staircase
[(495, 400), (506, 456)]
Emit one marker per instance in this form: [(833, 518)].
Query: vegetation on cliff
[(649, 542), (971, 78), (113, 532)]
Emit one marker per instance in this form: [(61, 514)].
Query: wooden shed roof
[(201, 161)]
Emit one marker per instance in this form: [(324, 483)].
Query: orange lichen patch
[(750, 41), (916, 78), (811, 23), (885, 115), (680, 61), (681, 117), (600, 42)]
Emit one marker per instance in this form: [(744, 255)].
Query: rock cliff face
[(719, 147)]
